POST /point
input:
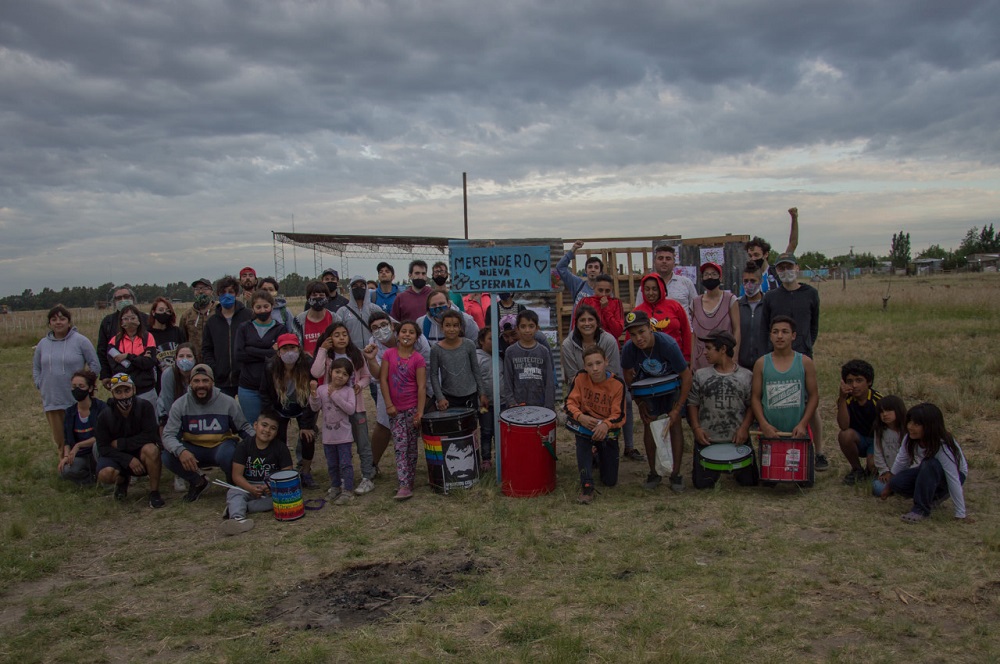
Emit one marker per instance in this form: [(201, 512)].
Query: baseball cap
[(508, 322), (121, 378), (786, 258), (330, 270), (705, 266), (248, 269), (720, 338), (287, 339), (201, 282), (203, 370), (636, 319)]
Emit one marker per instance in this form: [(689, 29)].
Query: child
[(527, 368), (337, 400), (597, 401), (857, 411), (930, 465), (484, 354), (888, 434), (255, 460), (402, 376), (455, 376)]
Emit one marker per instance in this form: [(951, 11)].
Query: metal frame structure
[(355, 246)]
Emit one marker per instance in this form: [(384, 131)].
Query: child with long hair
[(285, 389), (133, 351), (337, 399), (888, 431), (455, 375), (930, 465), (335, 343), (402, 375)]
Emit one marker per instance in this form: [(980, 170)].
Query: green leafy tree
[(899, 252), (933, 251), (813, 259)]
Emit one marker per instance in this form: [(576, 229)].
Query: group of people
[(219, 386)]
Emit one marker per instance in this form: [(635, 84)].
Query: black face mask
[(505, 296), (80, 393), (419, 283), (317, 303), (759, 262), (263, 316), (359, 292), (334, 286), (126, 403), (710, 284), (439, 280), (164, 318)]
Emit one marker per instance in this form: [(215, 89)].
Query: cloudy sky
[(157, 141)]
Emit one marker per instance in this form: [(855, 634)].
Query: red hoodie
[(668, 316), (612, 316)]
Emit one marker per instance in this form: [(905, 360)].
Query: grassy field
[(827, 574)]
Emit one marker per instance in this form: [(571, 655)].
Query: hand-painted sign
[(477, 267)]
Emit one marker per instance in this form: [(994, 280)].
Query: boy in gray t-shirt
[(719, 408)]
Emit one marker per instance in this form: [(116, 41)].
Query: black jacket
[(132, 432), (218, 344), (253, 351), (105, 333)]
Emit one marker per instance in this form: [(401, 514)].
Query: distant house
[(927, 265), (984, 262)]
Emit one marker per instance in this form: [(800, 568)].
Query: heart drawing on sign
[(540, 265)]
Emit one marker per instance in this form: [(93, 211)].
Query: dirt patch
[(365, 594)]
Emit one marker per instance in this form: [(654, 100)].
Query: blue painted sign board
[(476, 267)]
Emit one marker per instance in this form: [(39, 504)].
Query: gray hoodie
[(204, 424), (55, 362)]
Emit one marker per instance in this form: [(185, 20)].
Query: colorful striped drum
[(286, 495)]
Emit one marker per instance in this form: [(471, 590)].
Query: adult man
[(218, 344), (356, 313), (758, 250), (679, 287), (411, 304), (386, 293), (316, 318), (439, 275), (127, 437), (608, 306), (248, 282), (579, 288), (121, 297), (202, 430), (193, 320), (800, 302), (753, 332), (648, 354), (719, 407), (785, 393), (331, 278)]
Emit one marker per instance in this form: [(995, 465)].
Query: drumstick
[(230, 486)]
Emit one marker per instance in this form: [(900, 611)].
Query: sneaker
[(344, 499), (404, 493), (195, 490), (634, 455), (225, 513), (155, 501), (913, 517), (854, 477), (821, 463), (121, 490), (364, 486), (376, 471), (308, 482), (652, 481), (179, 484), (677, 484), (236, 526), (334, 492), (586, 494)]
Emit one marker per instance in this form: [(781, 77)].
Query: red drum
[(527, 451), (787, 460)]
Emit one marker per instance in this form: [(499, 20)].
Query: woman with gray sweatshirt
[(60, 354)]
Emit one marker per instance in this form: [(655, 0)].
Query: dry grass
[(723, 575)]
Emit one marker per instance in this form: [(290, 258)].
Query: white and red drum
[(787, 460)]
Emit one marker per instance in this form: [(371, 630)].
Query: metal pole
[(465, 202), (494, 330)]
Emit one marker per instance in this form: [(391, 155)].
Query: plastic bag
[(664, 462)]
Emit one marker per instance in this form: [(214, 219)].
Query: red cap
[(704, 266), (287, 339), (248, 269)]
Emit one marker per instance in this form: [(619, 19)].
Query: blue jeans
[(628, 431), (221, 455), (926, 483), (249, 403), (359, 429), (339, 465), (607, 460)]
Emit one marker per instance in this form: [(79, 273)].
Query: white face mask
[(383, 334), (290, 357), (751, 289), (788, 276)]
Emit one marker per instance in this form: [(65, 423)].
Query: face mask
[(263, 316), (419, 283), (334, 286), (383, 334), (185, 364), (290, 357), (759, 262), (505, 296), (439, 280), (121, 304), (788, 276), (317, 303), (710, 284), (358, 292), (125, 403), (227, 300), (201, 300), (80, 393), (751, 289), (436, 312), (163, 318)]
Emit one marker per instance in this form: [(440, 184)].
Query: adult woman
[(430, 323), (175, 381), (587, 332), (166, 334), (284, 388), (61, 352), (715, 309), (132, 351), (78, 462), (255, 345)]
